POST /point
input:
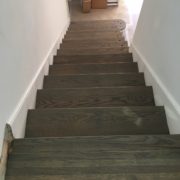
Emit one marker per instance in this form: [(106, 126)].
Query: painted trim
[(26, 102), (8, 138), (161, 93)]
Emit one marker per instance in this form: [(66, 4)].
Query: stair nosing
[(86, 64), (91, 108), (90, 88), (95, 74)]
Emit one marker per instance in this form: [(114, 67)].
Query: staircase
[(95, 119)]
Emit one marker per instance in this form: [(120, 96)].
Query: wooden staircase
[(95, 119)]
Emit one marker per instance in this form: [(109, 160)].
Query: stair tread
[(92, 44), (95, 97), (92, 68), (94, 80), (96, 121), (106, 58), (119, 142), (94, 50), (98, 25), (97, 22), (99, 37), (137, 155), (95, 33), (110, 28)]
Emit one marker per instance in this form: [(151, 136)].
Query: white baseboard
[(18, 118), (161, 93)]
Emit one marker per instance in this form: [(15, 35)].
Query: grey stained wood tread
[(94, 50), (106, 58), (98, 22), (96, 121), (96, 25), (95, 97), (145, 156), (97, 34), (78, 143), (94, 80), (92, 44), (66, 69), (102, 29)]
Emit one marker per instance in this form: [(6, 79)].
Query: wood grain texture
[(95, 97), (97, 34), (93, 51), (94, 80), (103, 156), (105, 36), (96, 121), (111, 28), (119, 142), (97, 25), (92, 68), (132, 176), (87, 59), (93, 44)]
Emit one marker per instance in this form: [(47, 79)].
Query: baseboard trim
[(18, 118), (8, 138), (161, 93)]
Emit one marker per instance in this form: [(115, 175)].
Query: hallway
[(95, 118), (112, 12)]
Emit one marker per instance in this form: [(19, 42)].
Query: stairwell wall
[(30, 32), (156, 48)]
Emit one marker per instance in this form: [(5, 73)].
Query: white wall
[(29, 34), (134, 9), (156, 46)]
